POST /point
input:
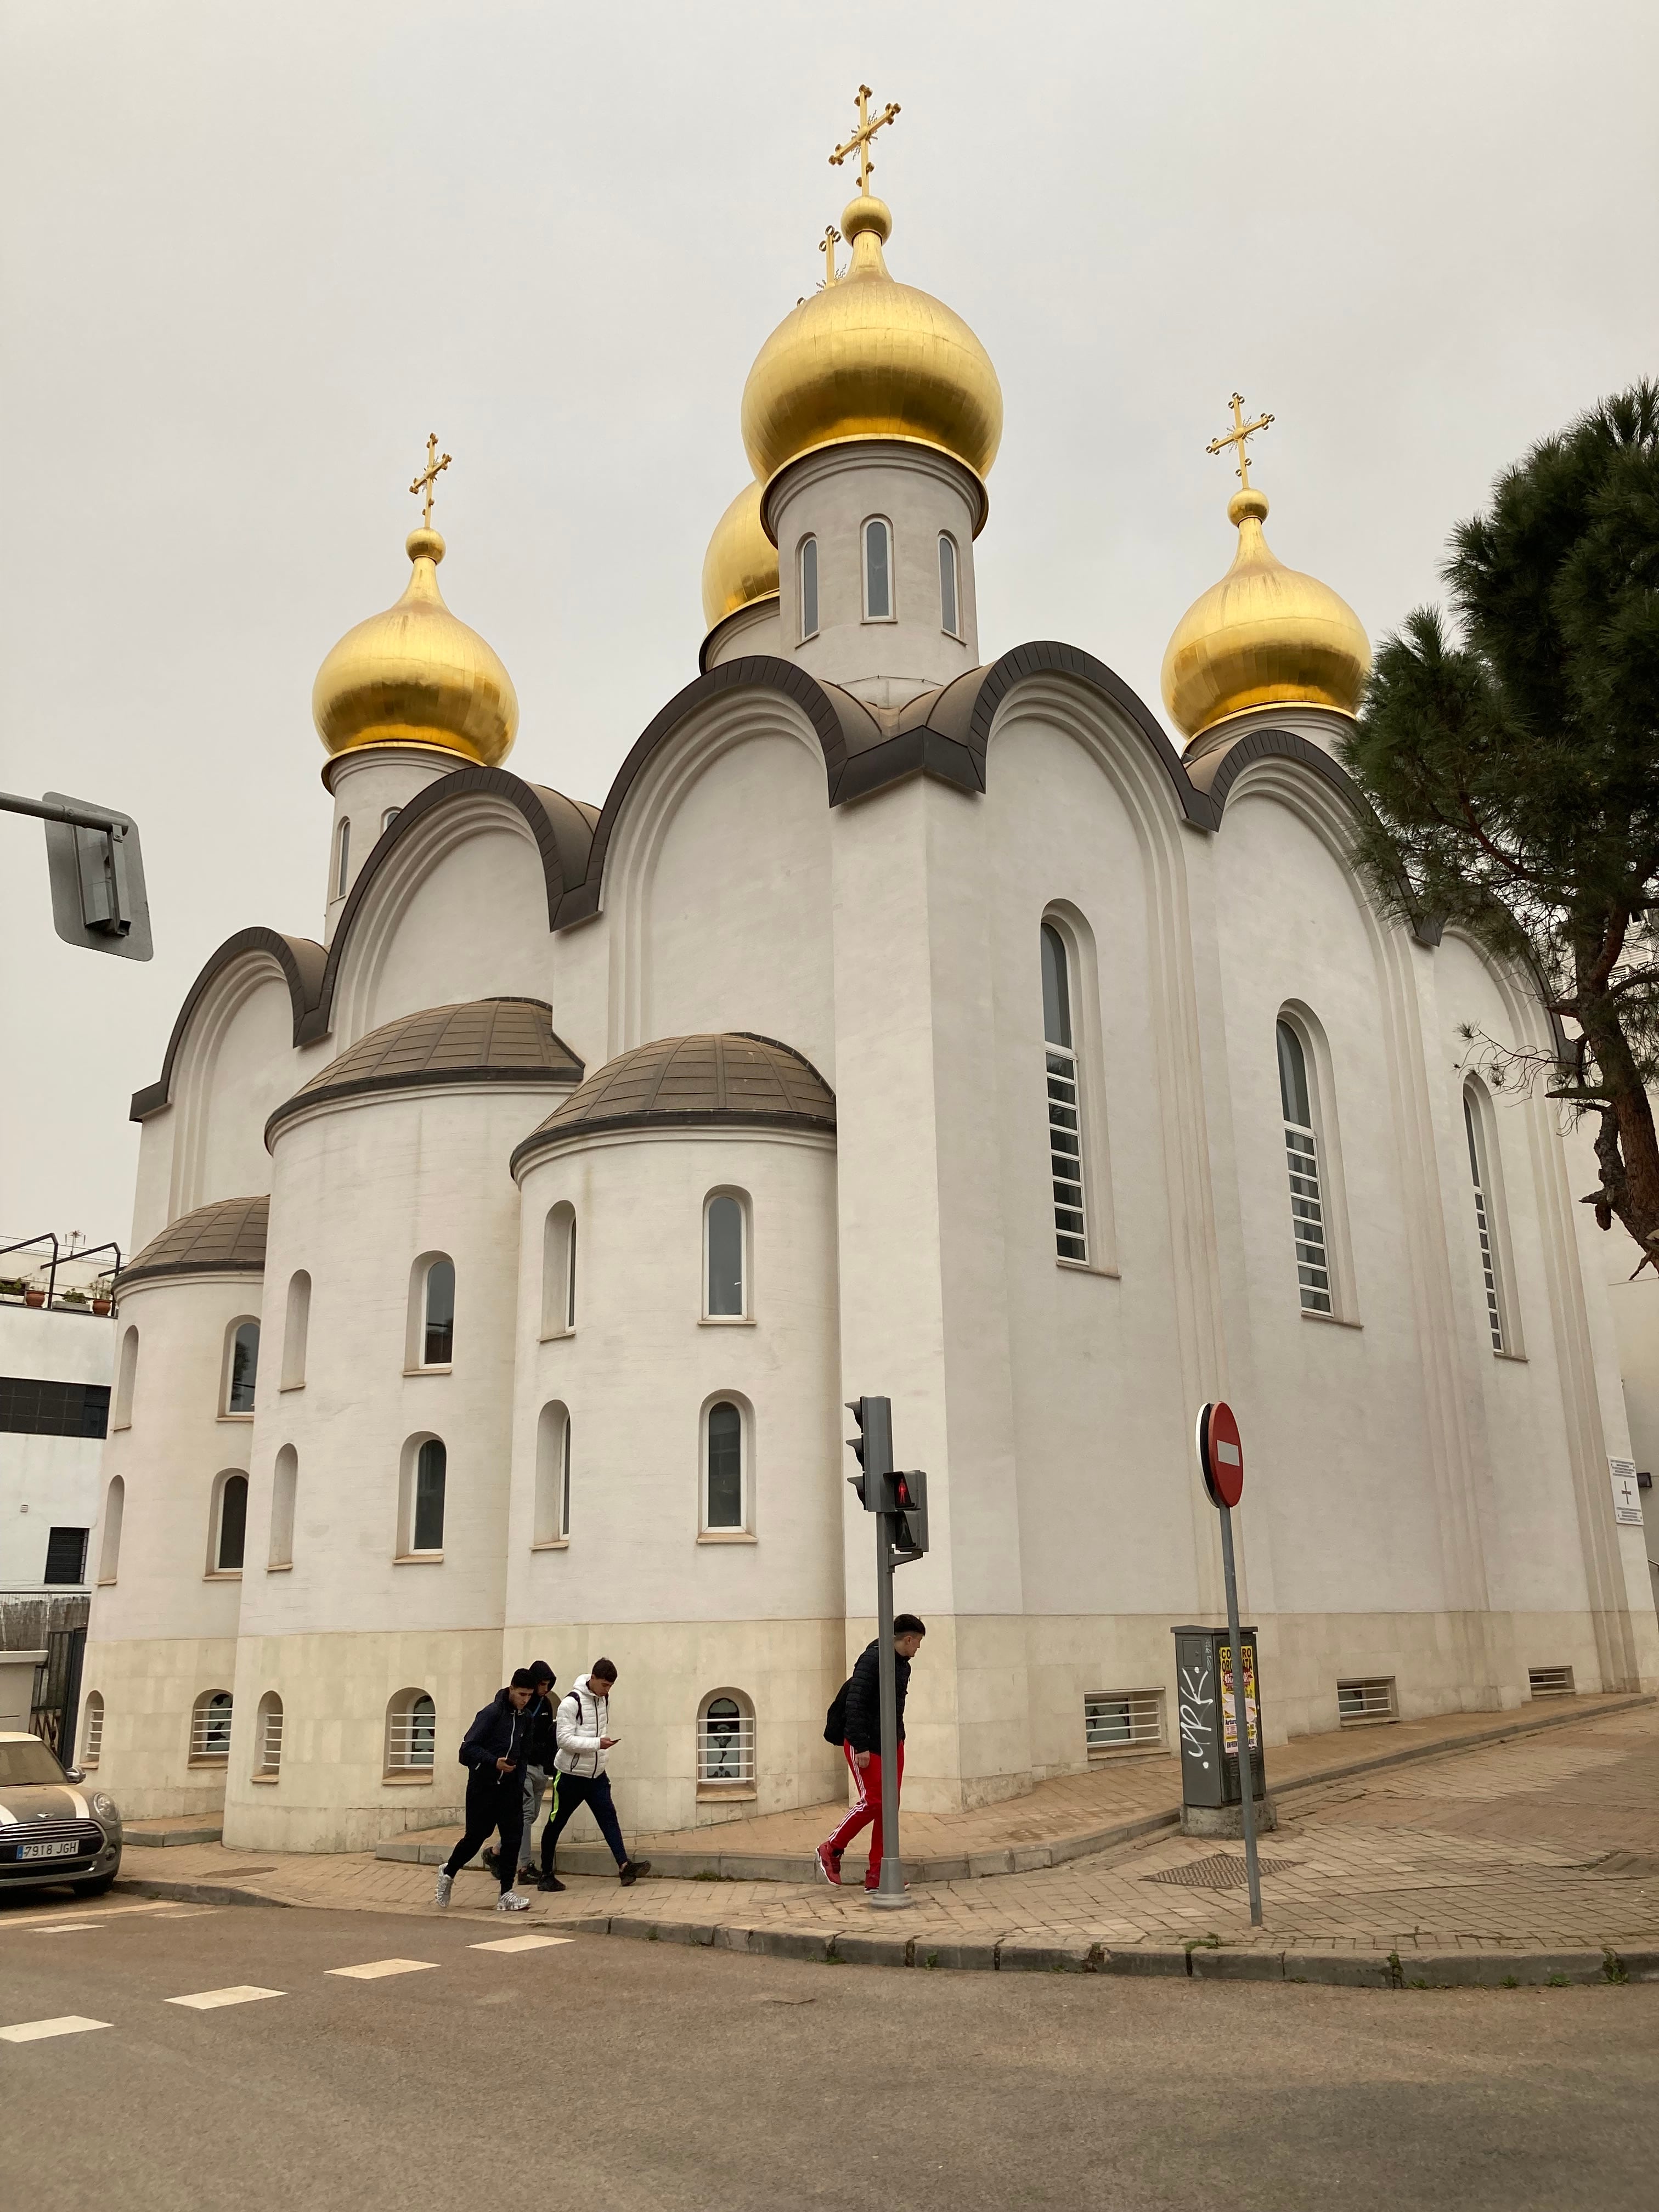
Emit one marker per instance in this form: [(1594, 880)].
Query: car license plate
[(63, 1850)]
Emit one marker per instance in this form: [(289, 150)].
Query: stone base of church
[(150, 1689)]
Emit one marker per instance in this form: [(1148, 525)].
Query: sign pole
[(890, 1893), (1242, 1719)]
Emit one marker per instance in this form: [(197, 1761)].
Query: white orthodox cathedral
[(504, 1255)]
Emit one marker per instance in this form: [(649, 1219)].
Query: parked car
[(52, 1829)]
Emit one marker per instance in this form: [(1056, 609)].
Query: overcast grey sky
[(253, 254)]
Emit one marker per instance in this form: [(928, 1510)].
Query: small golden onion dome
[(415, 676), (1264, 636), (869, 358), (741, 564)]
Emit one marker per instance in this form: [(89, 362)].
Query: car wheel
[(95, 1888)]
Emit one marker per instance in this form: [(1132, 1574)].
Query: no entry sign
[(1221, 1455)]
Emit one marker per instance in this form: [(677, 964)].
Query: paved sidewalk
[(1545, 1844)]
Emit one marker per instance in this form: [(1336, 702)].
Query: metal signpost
[(1221, 1463), (899, 1502)]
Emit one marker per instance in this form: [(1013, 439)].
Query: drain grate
[(1221, 1872)]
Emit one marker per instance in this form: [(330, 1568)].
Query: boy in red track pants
[(861, 1745)]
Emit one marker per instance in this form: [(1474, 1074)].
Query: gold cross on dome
[(859, 143), (831, 239), (428, 476), (1240, 431)]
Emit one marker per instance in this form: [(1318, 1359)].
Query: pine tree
[(1514, 767)]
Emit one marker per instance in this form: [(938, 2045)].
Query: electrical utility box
[(1206, 1714)]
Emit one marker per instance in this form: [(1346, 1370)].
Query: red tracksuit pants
[(868, 1782)]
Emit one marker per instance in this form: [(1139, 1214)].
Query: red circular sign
[(1221, 1455)]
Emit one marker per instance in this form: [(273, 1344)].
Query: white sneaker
[(510, 1901), (446, 1883)]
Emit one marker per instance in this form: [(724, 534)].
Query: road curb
[(193, 1893)]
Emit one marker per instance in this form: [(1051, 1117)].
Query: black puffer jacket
[(863, 1722), (498, 1731)]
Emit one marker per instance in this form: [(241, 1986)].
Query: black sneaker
[(550, 1881), (630, 1871), (526, 1872), (490, 1862)]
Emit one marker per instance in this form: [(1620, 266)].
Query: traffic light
[(872, 1447), (910, 1503)]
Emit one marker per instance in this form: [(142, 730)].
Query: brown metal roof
[(485, 1041), (722, 1080), (226, 1238)]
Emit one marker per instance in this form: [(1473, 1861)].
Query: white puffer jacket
[(584, 1717)]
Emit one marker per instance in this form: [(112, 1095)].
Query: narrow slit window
[(295, 1330), (559, 1271), (809, 588), (230, 1541), (427, 1521), (552, 1513), (878, 571), (389, 817), (342, 861), (109, 1556), (92, 1728), (724, 1219), (1313, 1266), (284, 1486), (268, 1746), (1065, 1101), (438, 1335), (244, 1368), (948, 616), (1483, 1222), (724, 1503)]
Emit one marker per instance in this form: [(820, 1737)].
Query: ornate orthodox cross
[(1240, 431), (429, 475), (831, 238), (859, 143)]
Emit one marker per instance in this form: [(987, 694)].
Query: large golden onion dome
[(415, 676), (741, 564), (1264, 636), (866, 357)]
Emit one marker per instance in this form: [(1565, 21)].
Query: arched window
[(878, 571), (1065, 1101), (950, 614), (1313, 1270), (268, 1737), (421, 1513), (229, 1534), (724, 1487), (559, 1271), (284, 1484), (126, 1378), (1489, 1223), (342, 859), (726, 1742), (431, 1313), (209, 1728), (411, 1734), (109, 1551), (389, 817), (726, 1273), (295, 1329), (809, 588), (92, 1728), (242, 1367), (552, 1514)]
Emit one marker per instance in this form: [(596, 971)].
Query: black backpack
[(835, 1721)]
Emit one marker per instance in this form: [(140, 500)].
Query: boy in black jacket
[(861, 1743), (493, 1753)]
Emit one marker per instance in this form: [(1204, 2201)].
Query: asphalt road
[(616, 2076)]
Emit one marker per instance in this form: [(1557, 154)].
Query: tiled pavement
[(1543, 1842)]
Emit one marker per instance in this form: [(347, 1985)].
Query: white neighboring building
[(899, 1024), (54, 1404)]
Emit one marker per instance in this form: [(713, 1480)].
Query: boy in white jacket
[(584, 1739)]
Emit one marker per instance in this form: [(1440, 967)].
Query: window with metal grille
[(268, 1748), (92, 1728), (1550, 1682), (210, 1725), (1313, 1271), (30, 1406), (1371, 1700), (412, 1731), (1115, 1720), (1065, 1101), (66, 1555), (726, 1740), (1483, 1223)]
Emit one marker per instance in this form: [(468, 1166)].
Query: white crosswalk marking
[(211, 2000), (376, 1968), (37, 2031), (522, 1942)]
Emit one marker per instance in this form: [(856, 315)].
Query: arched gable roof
[(301, 961)]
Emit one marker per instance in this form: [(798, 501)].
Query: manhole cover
[(1221, 1872)]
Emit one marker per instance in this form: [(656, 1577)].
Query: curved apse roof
[(225, 1238), (483, 1041), (727, 1079)]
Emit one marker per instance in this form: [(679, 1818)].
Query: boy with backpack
[(583, 1730), (854, 1720), (493, 1753)]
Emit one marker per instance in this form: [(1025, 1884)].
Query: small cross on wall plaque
[(1627, 1497)]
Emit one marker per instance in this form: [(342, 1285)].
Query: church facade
[(900, 1023)]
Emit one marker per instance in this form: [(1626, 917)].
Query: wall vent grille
[(1122, 1720), (1550, 1682), (1360, 1705)]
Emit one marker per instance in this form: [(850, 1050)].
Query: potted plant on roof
[(102, 1300), (34, 1294)]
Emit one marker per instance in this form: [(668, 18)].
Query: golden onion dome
[(1264, 636), (741, 564), (415, 676), (866, 357)]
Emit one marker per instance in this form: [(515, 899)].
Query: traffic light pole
[(890, 1893)]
